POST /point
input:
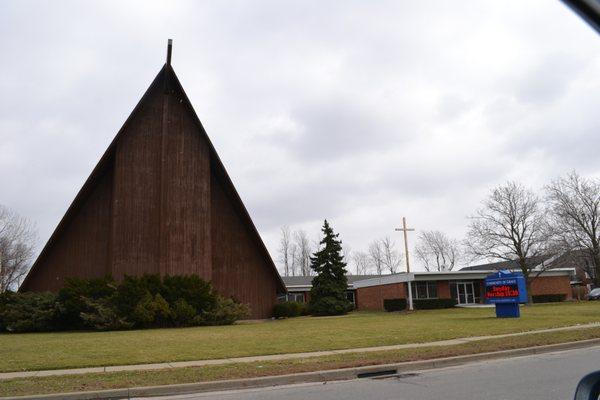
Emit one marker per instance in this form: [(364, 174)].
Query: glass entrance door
[(465, 293)]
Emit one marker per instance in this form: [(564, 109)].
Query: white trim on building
[(446, 276), (385, 280)]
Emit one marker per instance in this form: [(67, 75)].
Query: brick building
[(466, 287), (298, 287)]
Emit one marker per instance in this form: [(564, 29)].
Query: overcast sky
[(360, 112)]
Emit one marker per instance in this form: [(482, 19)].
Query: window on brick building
[(425, 290), (292, 296)]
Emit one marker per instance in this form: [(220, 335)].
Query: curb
[(307, 377)]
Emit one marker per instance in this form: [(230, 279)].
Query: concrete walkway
[(276, 357)]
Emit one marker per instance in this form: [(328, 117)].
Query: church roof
[(166, 79)]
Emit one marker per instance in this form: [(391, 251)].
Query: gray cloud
[(360, 112)]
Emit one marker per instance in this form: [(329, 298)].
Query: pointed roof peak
[(169, 51)]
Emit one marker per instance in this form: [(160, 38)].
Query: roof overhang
[(448, 276), (385, 280), (432, 276), (298, 288)]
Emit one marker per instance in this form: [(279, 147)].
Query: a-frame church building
[(160, 201)]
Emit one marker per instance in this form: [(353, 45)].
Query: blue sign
[(506, 290)]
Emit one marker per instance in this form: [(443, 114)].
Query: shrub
[(183, 313), (152, 312), (289, 309), (394, 304), (152, 283), (191, 288), (162, 311), (225, 312), (5, 300), (130, 292), (329, 305), (299, 309), (549, 298), (72, 299), (28, 312), (281, 310), (431, 304), (103, 317), (143, 314), (103, 304), (305, 309)]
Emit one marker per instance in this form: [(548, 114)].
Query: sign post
[(506, 290)]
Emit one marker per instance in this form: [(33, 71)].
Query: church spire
[(169, 51)]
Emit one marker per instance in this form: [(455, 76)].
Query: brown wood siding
[(239, 268), (185, 201), (135, 207), (81, 249)]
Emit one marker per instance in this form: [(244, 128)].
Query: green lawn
[(114, 380), (361, 329)]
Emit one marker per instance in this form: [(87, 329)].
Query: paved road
[(551, 376)]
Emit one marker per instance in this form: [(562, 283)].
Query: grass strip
[(114, 380), (62, 350)]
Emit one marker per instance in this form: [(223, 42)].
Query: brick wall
[(443, 289), (371, 298), (552, 285)]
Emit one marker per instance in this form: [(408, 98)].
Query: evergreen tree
[(328, 293)]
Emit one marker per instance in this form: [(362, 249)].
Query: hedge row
[(433, 304), (289, 309), (104, 304), (394, 304), (418, 304), (430, 304), (549, 298)]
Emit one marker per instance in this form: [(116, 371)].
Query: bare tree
[(303, 252), (510, 226), (376, 256), (18, 237), (391, 257), (347, 254), (293, 259), (569, 255), (437, 251), (575, 214), (362, 262), (284, 249)]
